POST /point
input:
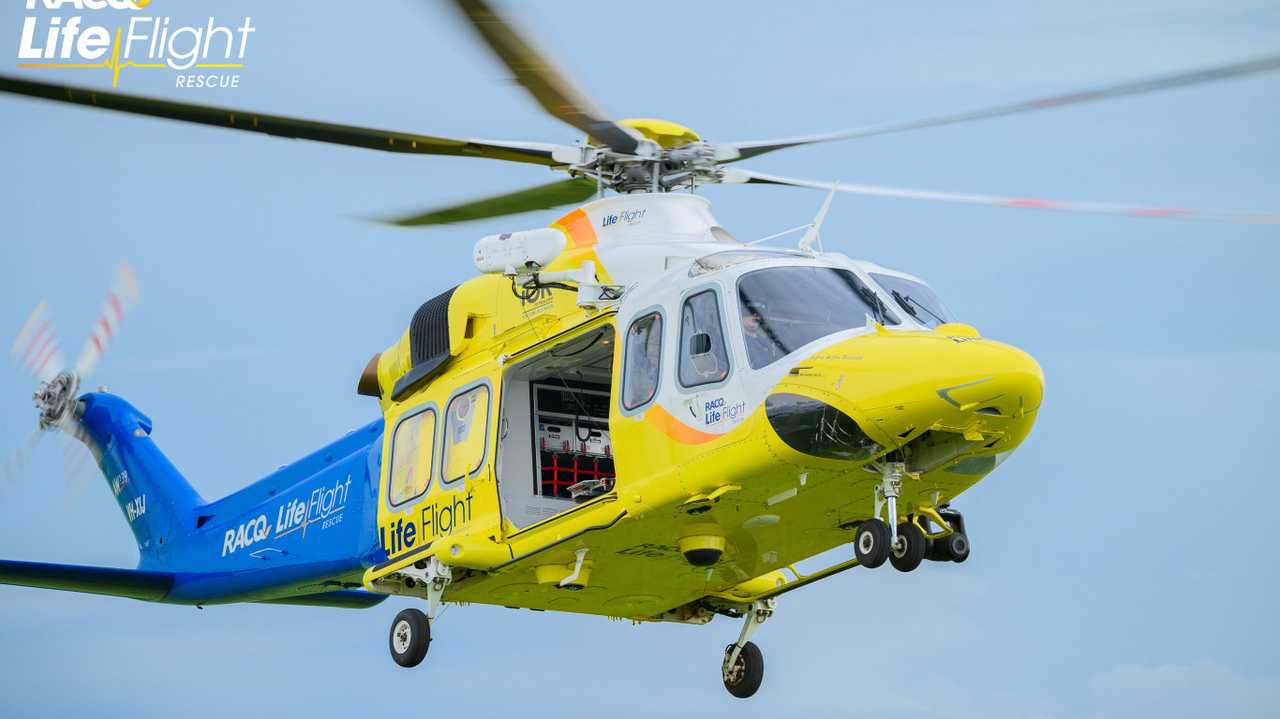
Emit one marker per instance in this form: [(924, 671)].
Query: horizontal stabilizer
[(341, 599), (132, 583)]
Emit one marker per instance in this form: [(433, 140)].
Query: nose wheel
[(906, 544), (871, 543), (909, 551)]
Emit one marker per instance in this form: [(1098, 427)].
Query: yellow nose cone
[(899, 384)]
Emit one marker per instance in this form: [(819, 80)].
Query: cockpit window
[(785, 308), (915, 298), (703, 357), (643, 361)]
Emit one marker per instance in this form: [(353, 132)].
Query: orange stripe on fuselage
[(578, 227), (675, 429)]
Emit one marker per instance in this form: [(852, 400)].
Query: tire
[(743, 679), (911, 553), (958, 546), (952, 548), (938, 551), (409, 638), (871, 543)]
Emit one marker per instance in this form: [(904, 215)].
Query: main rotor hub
[(669, 135), (670, 156)]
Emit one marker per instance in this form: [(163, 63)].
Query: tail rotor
[(38, 351)]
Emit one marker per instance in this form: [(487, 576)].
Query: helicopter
[(630, 413)]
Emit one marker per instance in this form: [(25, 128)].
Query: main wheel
[(744, 677), (911, 548), (410, 637), (871, 543)]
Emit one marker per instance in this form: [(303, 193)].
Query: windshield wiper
[(870, 297), (905, 301)]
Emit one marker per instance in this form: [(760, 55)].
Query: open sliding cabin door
[(554, 447)]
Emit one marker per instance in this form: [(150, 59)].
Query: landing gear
[(410, 637), (435, 576), (908, 543), (743, 667), (875, 541), (871, 543), (743, 677), (909, 552), (411, 629), (953, 547)]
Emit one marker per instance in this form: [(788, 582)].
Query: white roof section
[(666, 218)]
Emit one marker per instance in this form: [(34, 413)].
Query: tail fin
[(156, 499)]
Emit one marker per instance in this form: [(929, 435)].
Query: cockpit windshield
[(915, 299), (785, 308)]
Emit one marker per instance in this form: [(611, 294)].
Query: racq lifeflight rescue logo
[(64, 34)]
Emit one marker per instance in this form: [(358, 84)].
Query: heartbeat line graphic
[(114, 64)]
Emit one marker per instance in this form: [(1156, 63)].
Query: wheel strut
[(435, 575), (887, 494), (760, 610)]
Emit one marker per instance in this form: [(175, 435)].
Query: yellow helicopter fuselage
[(746, 469)]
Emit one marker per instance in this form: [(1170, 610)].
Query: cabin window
[(703, 358), (466, 426), (785, 308), (915, 298), (412, 450), (643, 361)]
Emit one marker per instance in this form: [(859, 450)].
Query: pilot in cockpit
[(762, 347)]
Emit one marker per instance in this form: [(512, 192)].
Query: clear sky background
[(1123, 558)]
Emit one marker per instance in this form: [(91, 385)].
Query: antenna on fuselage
[(813, 235)]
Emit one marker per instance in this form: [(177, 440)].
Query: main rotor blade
[(555, 194), (543, 79), (280, 126), (737, 175), (1165, 82)]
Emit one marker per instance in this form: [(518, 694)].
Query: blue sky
[(1122, 558)]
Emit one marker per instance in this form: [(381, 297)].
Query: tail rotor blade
[(14, 465), (76, 460), (37, 349), (123, 294), (737, 175)]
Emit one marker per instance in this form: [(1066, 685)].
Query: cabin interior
[(554, 448)]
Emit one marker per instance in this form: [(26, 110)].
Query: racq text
[(211, 81)]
